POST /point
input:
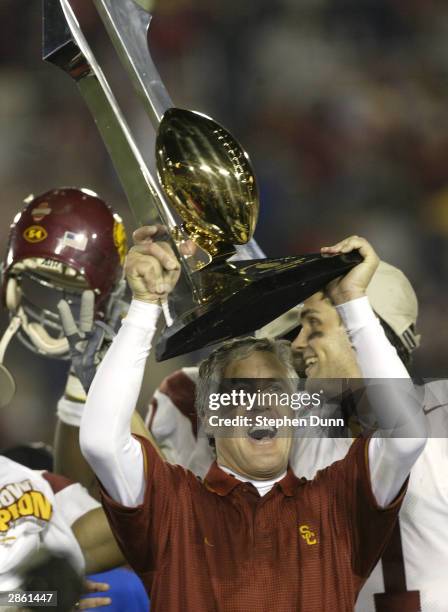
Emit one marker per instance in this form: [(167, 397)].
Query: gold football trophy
[(206, 189)]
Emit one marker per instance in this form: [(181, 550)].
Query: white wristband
[(143, 315), (70, 412)]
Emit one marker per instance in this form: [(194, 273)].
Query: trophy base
[(245, 295)]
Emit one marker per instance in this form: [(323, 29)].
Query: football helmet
[(63, 242)]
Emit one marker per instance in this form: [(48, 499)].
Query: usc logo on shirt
[(19, 500), (308, 535)]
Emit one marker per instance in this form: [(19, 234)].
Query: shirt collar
[(290, 483), (222, 483)]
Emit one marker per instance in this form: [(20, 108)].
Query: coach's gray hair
[(211, 370)]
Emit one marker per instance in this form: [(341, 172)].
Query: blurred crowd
[(340, 103)]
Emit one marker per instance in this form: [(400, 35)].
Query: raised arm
[(88, 342), (402, 432), (105, 435)]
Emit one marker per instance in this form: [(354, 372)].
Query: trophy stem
[(66, 47), (127, 24)]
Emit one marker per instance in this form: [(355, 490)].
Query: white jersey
[(37, 509), (423, 517), (423, 522)]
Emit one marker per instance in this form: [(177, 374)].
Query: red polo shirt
[(217, 546)]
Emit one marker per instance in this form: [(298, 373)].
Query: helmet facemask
[(33, 289)]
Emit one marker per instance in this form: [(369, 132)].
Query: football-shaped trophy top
[(209, 180)]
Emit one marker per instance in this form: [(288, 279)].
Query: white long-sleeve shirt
[(390, 458), (116, 457)]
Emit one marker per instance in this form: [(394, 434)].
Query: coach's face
[(322, 349), (256, 454)]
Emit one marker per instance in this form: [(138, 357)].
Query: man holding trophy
[(251, 535)]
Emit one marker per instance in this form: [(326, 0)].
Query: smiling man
[(251, 536), (412, 573), (324, 359)]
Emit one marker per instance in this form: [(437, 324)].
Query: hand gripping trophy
[(205, 189)]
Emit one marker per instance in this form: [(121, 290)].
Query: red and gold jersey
[(413, 571), (217, 546)]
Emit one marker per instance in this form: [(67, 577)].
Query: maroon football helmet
[(63, 242)]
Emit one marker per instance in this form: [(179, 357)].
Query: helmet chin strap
[(9, 334), (41, 338), (37, 334)]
